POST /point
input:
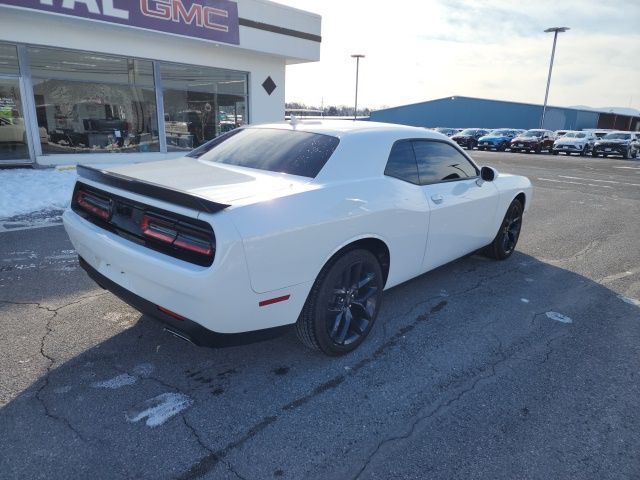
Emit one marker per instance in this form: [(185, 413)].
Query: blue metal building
[(459, 112)]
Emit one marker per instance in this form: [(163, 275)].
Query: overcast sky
[(424, 49)]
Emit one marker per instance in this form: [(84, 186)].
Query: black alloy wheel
[(505, 242), (343, 303), (352, 305)]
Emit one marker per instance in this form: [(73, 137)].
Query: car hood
[(613, 141), (571, 141), (527, 139), (490, 138), (220, 183)]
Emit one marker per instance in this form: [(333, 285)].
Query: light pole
[(357, 56), (555, 31)]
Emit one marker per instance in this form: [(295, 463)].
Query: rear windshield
[(275, 150)]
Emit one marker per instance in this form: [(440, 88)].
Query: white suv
[(575, 142)]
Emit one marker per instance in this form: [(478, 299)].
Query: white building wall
[(261, 54)]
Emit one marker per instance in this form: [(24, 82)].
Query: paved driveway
[(527, 368)]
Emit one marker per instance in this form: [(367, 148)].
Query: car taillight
[(158, 229), (176, 235), (95, 204)]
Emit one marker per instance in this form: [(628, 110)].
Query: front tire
[(343, 304), (506, 239)]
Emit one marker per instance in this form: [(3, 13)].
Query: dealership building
[(103, 81), (461, 112)]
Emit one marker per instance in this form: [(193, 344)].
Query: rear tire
[(343, 304), (506, 239)]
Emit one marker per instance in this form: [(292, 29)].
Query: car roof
[(341, 128)]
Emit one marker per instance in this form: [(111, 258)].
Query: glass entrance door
[(13, 135)]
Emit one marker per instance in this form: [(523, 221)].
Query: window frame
[(434, 140)]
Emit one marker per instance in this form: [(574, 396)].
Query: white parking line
[(602, 181), (629, 168), (573, 183)]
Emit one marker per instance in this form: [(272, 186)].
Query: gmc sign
[(215, 20)]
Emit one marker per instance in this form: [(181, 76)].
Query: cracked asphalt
[(527, 368)]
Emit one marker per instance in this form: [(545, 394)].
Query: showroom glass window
[(200, 103), (93, 103), (13, 138), (441, 162)]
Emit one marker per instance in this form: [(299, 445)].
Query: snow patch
[(524, 300), (26, 190), (158, 410), (116, 382), (629, 300), (558, 317)]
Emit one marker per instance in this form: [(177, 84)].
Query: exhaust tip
[(180, 335)]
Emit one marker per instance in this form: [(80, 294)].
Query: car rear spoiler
[(149, 189)]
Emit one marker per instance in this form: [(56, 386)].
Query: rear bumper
[(218, 298), (185, 328)]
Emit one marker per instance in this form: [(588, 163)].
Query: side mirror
[(487, 174)]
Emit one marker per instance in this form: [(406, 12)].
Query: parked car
[(274, 225), (535, 140), (446, 131), (497, 139), (625, 144), (598, 133), (468, 138), (560, 133), (575, 142)]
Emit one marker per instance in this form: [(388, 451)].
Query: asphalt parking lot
[(527, 368)]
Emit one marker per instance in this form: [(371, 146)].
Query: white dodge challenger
[(301, 223)]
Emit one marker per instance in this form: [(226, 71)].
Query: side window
[(440, 162), (402, 163)]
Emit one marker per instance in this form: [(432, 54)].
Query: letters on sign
[(215, 20)]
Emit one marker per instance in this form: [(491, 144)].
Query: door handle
[(437, 198)]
